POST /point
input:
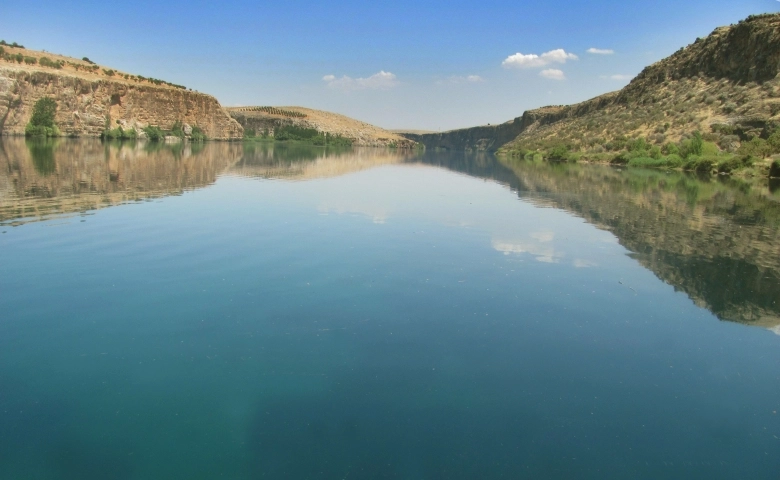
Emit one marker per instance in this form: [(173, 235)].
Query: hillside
[(91, 97), (724, 86), (259, 120)]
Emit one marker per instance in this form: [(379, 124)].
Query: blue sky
[(421, 64)]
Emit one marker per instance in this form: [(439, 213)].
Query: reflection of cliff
[(715, 241), (39, 179), (303, 162)]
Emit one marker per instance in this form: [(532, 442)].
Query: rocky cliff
[(728, 80), (90, 100)]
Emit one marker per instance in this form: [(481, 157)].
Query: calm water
[(357, 314)]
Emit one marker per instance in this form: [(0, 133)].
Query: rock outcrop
[(88, 102), (729, 78)]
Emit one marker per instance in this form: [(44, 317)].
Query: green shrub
[(558, 153), (44, 112), (291, 132), (729, 165), (177, 130), (30, 60), (637, 145), (671, 149), (774, 169), (699, 164), (198, 135), (47, 62), (774, 141), (709, 149), (42, 120), (119, 134), (692, 146), (674, 161), (154, 133), (621, 159), (757, 147)]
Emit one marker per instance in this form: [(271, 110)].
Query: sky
[(405, 64)]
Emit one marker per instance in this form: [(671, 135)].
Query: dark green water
[(310, 314)]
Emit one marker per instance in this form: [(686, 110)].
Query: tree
[(43, 112), (42, 120)]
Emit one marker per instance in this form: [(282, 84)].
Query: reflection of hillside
[(716, 241), (39, 179), (305, 162)]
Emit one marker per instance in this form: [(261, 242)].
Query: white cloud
[(553, 74), (457, 79), (601, 51), (618, 77), (531, 60), (378, 81)]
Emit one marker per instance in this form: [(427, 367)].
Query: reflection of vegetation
[(42, 152), (86, 174), (711, 237), (263, 152)]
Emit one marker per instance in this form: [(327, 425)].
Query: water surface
[(288, 312)]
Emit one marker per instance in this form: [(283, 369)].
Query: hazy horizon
[(402, 65)]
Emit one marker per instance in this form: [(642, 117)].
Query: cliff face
[(746, 52), (729, 78), (87, 104)]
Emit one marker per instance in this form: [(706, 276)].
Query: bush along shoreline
[(41, 123), (758, 155), (154, 133), (292, 133)]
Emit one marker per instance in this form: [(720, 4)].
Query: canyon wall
[(88, 104)]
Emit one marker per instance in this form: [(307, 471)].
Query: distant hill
[(725, 87), (258, 120)]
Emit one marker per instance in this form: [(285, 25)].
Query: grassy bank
[(721, 152)]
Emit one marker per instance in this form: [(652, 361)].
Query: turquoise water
[(367, 314)]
